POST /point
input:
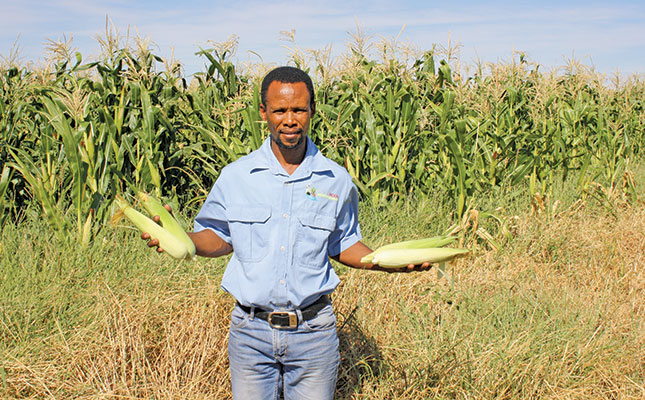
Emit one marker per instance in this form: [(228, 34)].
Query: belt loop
[(252, 314), (299, 314)]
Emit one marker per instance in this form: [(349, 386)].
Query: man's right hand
[(154, 242), (207, 242)]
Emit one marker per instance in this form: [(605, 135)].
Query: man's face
[(287, 113)]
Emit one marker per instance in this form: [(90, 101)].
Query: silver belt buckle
[(293, 319)]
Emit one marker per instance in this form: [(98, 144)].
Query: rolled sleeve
[(213, 214), (347, 231)]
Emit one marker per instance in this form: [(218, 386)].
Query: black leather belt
[(288, 319)]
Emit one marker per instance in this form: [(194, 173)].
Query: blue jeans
[(303, 360)]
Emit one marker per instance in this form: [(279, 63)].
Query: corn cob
[(167, 241), (414, 252), (394, 258), (435, 241), (154, 207)]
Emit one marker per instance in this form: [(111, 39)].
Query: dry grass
[(170, 346), (557, 314)]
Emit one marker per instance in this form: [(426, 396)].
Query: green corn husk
[(435, 241), (154, 207), (394, 258), (418, 251), (167, 241)]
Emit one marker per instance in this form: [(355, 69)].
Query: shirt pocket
[(312, 240), (249, 229)]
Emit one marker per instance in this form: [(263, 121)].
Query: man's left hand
[(410, 268)]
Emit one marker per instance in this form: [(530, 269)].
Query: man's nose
[(290, 118)]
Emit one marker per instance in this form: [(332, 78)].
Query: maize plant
[(74, 135)]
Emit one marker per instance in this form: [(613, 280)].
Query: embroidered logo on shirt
[(312, 194)]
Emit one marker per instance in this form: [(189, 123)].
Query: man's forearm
[(352, 256), (209, 244)]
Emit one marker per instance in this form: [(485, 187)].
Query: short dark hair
[(287, 75)]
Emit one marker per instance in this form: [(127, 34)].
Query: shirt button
[(282, 248), (282, 282), (285, 215)]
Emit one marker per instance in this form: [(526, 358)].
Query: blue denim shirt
[(282, 227)]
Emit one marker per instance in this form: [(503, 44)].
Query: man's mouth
[(291, 134), (289, 139), (290, 131)]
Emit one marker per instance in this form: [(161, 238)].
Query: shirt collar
[(313, 161)]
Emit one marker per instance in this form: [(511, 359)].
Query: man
[(283, 210)]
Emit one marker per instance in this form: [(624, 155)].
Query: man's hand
[(410, 268), (154, 242)]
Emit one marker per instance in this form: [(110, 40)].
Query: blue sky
[(607, 35)]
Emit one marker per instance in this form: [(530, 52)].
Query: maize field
[(74, 134), (537, 172)]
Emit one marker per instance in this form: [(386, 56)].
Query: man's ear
[(263, 112)]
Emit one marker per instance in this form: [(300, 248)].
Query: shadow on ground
[(360, 358)]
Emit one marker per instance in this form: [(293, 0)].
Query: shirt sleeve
[(348, 230), (212, 215)]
